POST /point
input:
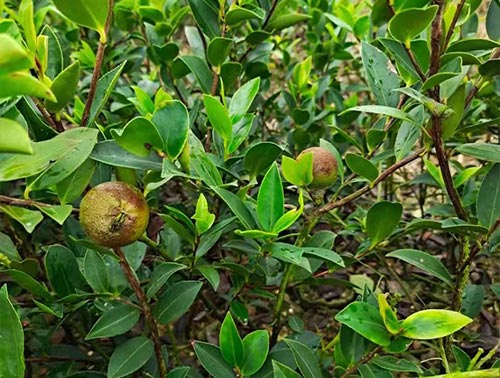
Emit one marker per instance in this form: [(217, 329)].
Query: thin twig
[(98, 66), (10, 201), (452, 25), (364, 360), (413, 60), (46, 115), (389, 171), (146, 310)]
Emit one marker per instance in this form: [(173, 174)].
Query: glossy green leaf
[(488, 199), (109, 152), (381, 78), (237, 206), (286, 220), (432, 105), (388, 315), (11, 334), (211, 274), (298, 173), (457, 103), (58, 213), (237, 14), (270, 200), (230, 342), (29, 283), (242, 99), (199, 69), (492, 24), (373, 371), (130, 356), (423, 261), (89, 13), (73, 186), (22, 83), (172, 124), (13, 57), (260, 156), (211, 359), (160, 276), (219, 118), (289, 254), (433, 324), (409, 23), (286, 20), (203, 217), (104, 88), (116, 321), (29, 219), (218, 50), (324, 254), (365, 319), (472, 44), (379, 109), (206, 14), (409, 133), (241, 130), (481, 151), (456, 225), (305, 358), (176, 300), (15, 138), (437, 79), (64, 87), (282, 371), (363, 167), (382, 218), (95, 271), (256, 348), (63, 271)]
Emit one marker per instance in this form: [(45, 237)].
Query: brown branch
[(436, 35), (146, 310), (456, 16), (389, 171), (98, 66), (5, 200), (46, 115)]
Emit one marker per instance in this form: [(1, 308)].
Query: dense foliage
[(252, 264)]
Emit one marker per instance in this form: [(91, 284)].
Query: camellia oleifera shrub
[(249, 188)]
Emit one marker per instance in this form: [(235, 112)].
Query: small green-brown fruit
[(325, 168), (114, 214)]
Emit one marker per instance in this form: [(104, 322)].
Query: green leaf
[(23, 84), (270, 200), (409, 23), (425, 262), (286, 20), (237, 206), (95, 271), (256, 348), (324, 254), (206, 14), (305, 359), (433, 324), (492, 25), (260, 156), (57, 213), (120, 319), (218, 50), (230, 342), (363, 167), (392, 363), (481, 151), (109, 152), (11, 334), (381, 219), (130, 356), (409, 133), (472, 300), (290, 254), (242, 99), (365, 319), (8, 248), (13, 57), (379, 109), (28, 218), (330, 147), (55, 55), (457, 103), (381, 78), (298, 173), (241, 130), (160, 276), (29, 283), (488, 199), (372, 371), (204, 218), (89, 13), (73, 186), (432, 105), (211, 359), (64, 87), (437, 79), (490, 68), (176, 300), (104, 88), (237, 14), (199, 69), (83, 141), (172, 124), (211, 274), (219, 118), (388, 315), (63, 271), (472, 44), (15, 138), (282, 371)]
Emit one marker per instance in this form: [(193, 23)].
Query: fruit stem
[(146, 310)]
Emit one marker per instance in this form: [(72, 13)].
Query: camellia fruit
[(114, 214), (325, 169)]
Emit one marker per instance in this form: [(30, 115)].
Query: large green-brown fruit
[(325, 169), (114, 214)]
